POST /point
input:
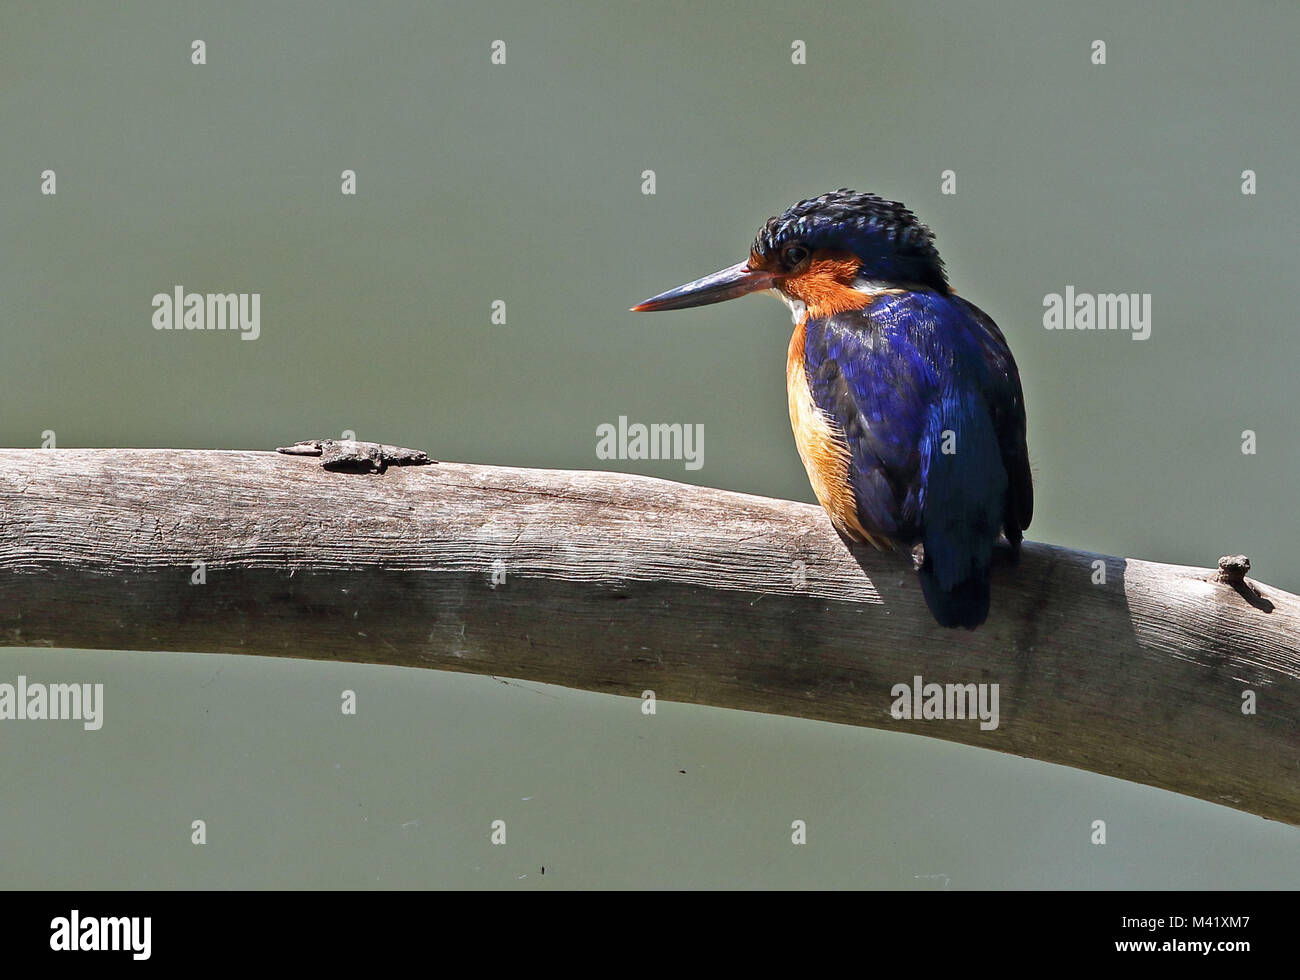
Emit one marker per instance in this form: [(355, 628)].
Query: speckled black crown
[(889, 238)]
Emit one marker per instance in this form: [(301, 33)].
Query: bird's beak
[(729, 283)]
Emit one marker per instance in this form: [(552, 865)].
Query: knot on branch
[(1233, 569), (351, 456), (1232, 572)]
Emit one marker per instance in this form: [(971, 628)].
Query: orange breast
[(822, 447)]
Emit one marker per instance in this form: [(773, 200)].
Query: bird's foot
[(918, 556)]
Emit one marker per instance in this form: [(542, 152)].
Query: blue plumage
[(923, 387)]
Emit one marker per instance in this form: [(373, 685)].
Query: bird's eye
[(794, 255)]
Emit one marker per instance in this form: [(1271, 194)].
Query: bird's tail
[(966, 603), (965, 496)]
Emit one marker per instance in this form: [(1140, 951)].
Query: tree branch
[(624, 584)]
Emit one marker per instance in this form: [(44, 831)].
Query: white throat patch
[(798, 309)]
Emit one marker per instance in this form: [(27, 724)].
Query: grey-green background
[(522, 183)]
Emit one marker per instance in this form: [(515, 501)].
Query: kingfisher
[(904, 398)]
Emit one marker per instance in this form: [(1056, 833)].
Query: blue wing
[(928, 397)]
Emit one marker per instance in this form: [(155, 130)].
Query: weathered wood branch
[(624, 584)]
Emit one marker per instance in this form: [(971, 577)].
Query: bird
[(904, 397)]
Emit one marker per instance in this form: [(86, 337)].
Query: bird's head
[(824, 254)]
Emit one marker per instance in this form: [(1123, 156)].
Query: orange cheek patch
[(826, 286)]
